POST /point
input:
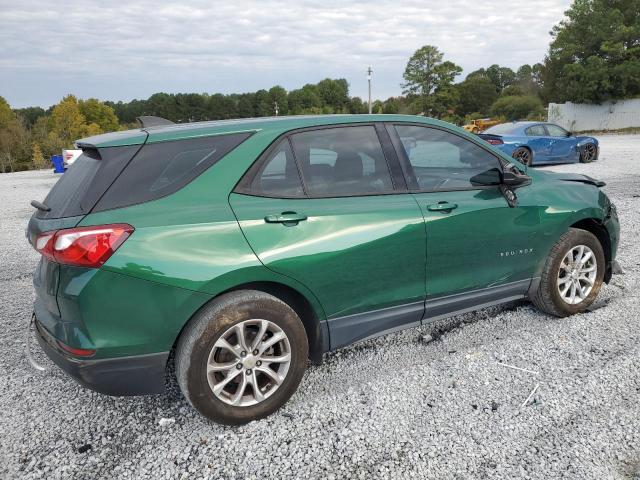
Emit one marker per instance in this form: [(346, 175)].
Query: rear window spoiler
[(151, 121)]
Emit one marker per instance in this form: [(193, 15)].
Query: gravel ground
[(395, 407)]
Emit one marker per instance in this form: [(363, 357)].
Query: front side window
[(443, 161), (536, 131), (342, 161), (556, 131)]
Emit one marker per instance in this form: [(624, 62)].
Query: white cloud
[(121, 50)]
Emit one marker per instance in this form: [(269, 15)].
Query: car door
[(563, 144), (539, 142), (479, 249), (322, 207)]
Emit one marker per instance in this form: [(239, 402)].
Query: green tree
[(305, 100), (477, 94), (391, 105), (528, 79), (595, 53), (263, 106), (356, 106), (518, 107), (100, 114), (30, 115), (429, 78), (278, 96), (334, 93)]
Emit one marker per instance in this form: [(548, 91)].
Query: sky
[(120, 50)]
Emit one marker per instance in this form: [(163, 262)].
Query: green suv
[(246, 248)]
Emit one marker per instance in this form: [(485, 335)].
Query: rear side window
[(536, 131), (160, 169), (278, 175), (342, 161)]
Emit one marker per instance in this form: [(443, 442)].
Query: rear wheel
[(241, 357), (523, 155), (589, 153), (572, 275)]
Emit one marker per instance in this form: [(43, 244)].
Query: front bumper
[(133, 375)]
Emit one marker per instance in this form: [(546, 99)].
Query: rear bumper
[(133, 375)]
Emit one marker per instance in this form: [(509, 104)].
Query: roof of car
[(218, 127)]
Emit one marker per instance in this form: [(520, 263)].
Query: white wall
[(579, 117)]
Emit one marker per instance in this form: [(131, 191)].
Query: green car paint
[(363, 264)]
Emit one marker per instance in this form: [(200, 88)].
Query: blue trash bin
[(58, 163)]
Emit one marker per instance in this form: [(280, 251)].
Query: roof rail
[(151, 121)]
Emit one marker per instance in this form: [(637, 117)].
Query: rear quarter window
[(160, 169)]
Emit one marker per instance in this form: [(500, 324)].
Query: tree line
[(594, 56)]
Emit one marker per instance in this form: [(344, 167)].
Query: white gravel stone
[(393, 407)]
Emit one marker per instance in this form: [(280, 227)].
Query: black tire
[(523, 155), (208, 325), (588, 153), (547, 298)]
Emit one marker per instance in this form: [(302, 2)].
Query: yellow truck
[(480, 125)]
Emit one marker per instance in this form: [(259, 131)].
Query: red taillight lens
[(495, 141), (78, 352), (84, 246)]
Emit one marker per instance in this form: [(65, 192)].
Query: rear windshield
[(78, 190), (162, 168), (501, 129)]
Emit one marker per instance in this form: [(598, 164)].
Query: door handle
[(442, 207), (291, 218)]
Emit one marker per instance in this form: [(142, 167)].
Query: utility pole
[(276, 107), (369, 72)]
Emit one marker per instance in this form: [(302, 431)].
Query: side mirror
[(515, 180)]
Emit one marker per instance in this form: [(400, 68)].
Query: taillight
[(78, 352), (84, 246), (495, 141)]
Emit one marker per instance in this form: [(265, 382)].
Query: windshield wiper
[(40, 206)]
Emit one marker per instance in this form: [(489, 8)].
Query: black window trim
[(243, 186), (407, 168)]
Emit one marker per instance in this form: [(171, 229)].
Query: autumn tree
[(13, 139), (68, 123), (100, 114), (37, 158)]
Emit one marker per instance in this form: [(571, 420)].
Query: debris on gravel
[(390, 407)]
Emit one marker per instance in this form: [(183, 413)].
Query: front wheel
[(572, 275), (241, 357), (589, 153)]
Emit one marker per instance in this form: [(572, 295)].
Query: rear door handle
[(442, 207), (291, 218)]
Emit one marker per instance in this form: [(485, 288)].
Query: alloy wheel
[(248, 362), (589, 152), (577, 274), (522, 155)]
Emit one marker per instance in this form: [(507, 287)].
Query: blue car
[(536, 143)]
